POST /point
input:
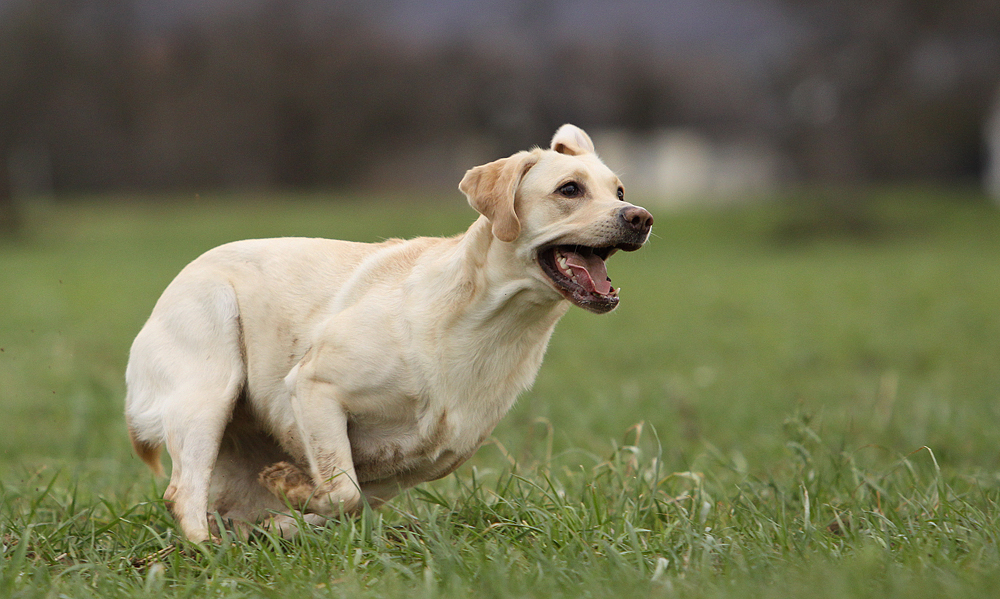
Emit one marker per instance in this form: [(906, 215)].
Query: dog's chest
[(437, 422), (418, 449)]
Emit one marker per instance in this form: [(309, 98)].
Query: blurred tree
[(9, 218), (889, 90), (306, 93), (31, 53), (66, 90)]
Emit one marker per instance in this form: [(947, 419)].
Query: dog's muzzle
[(579, 272)]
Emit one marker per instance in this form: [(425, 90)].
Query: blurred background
[(689, 99)]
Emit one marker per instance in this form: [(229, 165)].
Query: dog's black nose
[(637, 219)]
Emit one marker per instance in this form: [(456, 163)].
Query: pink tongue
[(589, 272)]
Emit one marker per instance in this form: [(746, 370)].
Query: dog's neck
[(497, 324), (481, 288), (496, 274)]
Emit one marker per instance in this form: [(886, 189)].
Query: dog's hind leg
[(185, 373), (236, 492), (194, 450)]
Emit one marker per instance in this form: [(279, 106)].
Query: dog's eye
[(621, 194), (570, 190)]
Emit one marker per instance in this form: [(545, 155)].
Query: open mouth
[(579, 273)]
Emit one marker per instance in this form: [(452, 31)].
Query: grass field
[(793, 400)]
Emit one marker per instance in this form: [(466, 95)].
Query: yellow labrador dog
[(319, 374)]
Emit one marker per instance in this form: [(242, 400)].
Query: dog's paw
[(234, 528), (288, 481)]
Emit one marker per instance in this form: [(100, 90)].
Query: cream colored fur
[(317, 374)]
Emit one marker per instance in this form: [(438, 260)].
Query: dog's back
[(197, 330)]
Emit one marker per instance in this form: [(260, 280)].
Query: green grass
[(792, 400)]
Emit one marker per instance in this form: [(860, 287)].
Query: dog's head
[(564, 212)]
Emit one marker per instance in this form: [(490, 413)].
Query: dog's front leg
[(330, 487)]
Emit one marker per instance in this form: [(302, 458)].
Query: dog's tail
[(147, 452)]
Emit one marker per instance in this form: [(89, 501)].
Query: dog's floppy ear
[(491, 189), (572, 140)]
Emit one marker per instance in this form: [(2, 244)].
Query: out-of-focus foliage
[(896, 89), (278, 96), (298, 93)]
